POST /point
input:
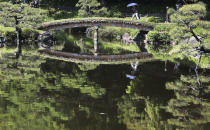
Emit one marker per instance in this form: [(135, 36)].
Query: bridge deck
[(96, 59), (82, 22)]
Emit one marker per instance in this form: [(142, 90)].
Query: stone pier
[(95, 40)]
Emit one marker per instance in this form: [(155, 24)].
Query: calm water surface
[(46, 94)]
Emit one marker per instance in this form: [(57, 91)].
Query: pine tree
[(188, 20), (91, 8), (30, 17)]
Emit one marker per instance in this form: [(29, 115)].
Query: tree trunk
[(199, 59), (18, 48), (194, 35)]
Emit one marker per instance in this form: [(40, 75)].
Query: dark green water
[(45, 94)]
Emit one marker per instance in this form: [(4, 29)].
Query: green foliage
[(154, 19), (28, 34), (58, 3), (107, 34), (171, 11), (32, 98), (63, 15), (84, 45), (117, 48), (160, 34), (87, 67), (114, 12), (9, 33), (159, 37), (202, 29), (139, 112), (90, 8), (30, 17), (188, 22), (189, 13), (159, 40), (190, 108), (159, 51), (110, 33), (180, 33)]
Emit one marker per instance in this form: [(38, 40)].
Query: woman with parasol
[(135, 11)]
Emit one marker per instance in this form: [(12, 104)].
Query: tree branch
[(195, 36)]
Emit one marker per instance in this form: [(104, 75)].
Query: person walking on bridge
[(135, 13)]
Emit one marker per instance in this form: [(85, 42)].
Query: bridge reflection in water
[(104, 59)]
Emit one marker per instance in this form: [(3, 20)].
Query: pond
[(38, 93)]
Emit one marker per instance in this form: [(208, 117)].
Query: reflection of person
[(176, 67), (165, 69), (134, 67), (135, 13)]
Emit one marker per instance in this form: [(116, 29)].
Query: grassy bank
[(83, 45)]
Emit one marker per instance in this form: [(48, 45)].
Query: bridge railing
[(161, 15)]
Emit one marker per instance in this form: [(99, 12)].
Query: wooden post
[(95, 40)]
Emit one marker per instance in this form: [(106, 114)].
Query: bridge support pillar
[(140, 40), (95, 40)]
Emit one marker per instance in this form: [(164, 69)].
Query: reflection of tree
[(21, 106), (128, 114), (138, 111), (70, 75), (191, 107), (135, 118), (32, 99)]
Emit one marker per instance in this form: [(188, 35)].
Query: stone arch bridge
[(96, 22), (85, 22)]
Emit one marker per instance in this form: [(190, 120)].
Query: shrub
[(159, 40), (63, 15), (10, 34), (114, 12), (31, 17), (160, 34), (154, 19), (159, 50), (110, 33), (30, 34), (158, 37), (107, 34)]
